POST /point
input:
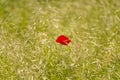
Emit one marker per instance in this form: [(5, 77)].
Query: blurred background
[(28, 29)]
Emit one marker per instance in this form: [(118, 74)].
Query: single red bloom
[(63, 40)]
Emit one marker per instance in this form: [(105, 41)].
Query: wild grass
[(28, 29)]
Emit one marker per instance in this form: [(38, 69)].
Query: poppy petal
[(63, 40)]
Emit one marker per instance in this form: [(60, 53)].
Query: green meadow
[(29, 28)]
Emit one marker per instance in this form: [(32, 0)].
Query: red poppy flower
[(63, 40)]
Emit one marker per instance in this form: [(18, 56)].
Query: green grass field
[(28, 29)]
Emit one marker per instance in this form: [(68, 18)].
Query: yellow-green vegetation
[(28, 29)]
